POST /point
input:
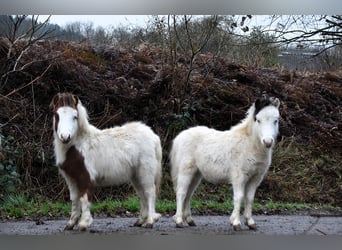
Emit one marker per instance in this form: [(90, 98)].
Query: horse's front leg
[(75, 213), (238, 190), (75, 203), (249, 221), (249, 198), (86, 218)]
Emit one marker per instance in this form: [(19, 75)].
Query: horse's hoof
[(149, 225), (82, 229), (137, 224), (252, 227), (156, 217), (192, 223), (237, 227), (179, 225), (69, 227)]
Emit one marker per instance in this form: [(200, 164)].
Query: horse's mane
[(63, 99), (83, 121), (245, 126)]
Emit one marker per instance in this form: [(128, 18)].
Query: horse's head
[(266, 120), (65, 111)]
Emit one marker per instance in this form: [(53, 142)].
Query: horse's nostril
[(267, 143), (65, 139)]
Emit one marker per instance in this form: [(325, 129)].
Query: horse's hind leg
[(147, 194), (196, 180), (151, 201), (143, 203), (184, 180)]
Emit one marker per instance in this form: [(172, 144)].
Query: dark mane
[(261, 103), (64, 99)]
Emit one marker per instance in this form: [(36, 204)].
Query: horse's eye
[(258, 121), (275, 122), (75, 117)]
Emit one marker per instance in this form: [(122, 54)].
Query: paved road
[(206, 225)]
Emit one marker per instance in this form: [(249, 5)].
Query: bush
[(9, 177)]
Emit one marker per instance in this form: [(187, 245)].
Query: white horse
[(240, 156), (87, 157)]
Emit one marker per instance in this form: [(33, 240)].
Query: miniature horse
[(87, 157), (240, 156)]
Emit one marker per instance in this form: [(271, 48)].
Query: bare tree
[(322, 31), (189, 36), (74, 32), (21, 33), (88, 30)]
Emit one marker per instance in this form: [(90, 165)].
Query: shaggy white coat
[(240, 156), (130, 153)]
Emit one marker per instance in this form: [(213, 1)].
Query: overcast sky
[(99, 20), (120, 20)]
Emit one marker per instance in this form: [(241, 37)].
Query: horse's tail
[(173, 165), (159, 157)]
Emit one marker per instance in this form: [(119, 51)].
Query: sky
[(99, 20), (107, 21)]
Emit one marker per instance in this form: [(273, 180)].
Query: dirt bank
[(119, 84)]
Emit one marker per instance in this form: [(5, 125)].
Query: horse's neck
[(84, 125), (244, 128), (86, 129)]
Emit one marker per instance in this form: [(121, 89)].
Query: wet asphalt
[(206, 225)]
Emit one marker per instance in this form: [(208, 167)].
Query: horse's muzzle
[(268, 142), (65, 139)]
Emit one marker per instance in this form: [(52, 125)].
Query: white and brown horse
[(87, 157), (240, 156)]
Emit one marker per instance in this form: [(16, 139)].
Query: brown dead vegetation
[(118, 85)]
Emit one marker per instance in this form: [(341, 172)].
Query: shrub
[(9, 177)]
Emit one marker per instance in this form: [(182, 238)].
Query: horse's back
[(194, 138), (193, 135)]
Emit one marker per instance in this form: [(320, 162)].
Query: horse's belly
[(113, 176), (215, 177), (213, 167), (104, 181)]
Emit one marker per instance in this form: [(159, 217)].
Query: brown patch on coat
[(74, 167)]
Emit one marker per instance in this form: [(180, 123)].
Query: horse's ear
[(75, 99), (276, 102), (54, 101)]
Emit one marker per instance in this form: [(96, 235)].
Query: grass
[(19, 206)]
